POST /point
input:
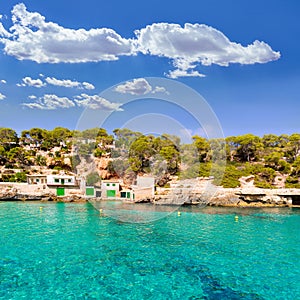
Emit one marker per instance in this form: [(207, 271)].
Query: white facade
[(65, 180), (37, 179), (110, 189)]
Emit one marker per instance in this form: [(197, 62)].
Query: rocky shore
[(193, 193), (231, 197)]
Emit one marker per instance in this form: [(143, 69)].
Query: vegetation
[(129, 152)]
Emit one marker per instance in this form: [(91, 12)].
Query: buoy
[(236, 218), (41, 208), (178, 213)]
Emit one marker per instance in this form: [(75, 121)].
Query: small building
[(65, 180), (37, 179), (64, 185), (127, 194), (110, 189)]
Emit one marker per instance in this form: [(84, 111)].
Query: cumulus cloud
[(2, 97), (96, 102), (69, 83), (88, 86), (184, 73), (28, 81), (139, 86), (32, 37), (196, 44), (64, 82), (189, 46), (3, 81), (50, 102), (159, 89)]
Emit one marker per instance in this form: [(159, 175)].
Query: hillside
[(270, 161)]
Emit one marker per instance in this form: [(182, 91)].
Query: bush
[(230, 177), (292, 182), (92, 178)]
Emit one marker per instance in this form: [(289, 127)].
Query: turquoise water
[(68, 251)]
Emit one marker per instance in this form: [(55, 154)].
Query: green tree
[(248, 147), (294, 145), (8, 138), (203, 147), (18, 155), (140, 153), (40, 160), (125, 137)]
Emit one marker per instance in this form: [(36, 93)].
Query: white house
[(110, 188), (37, 179), (65, 180)]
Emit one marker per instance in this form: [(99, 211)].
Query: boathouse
[(110, 189)]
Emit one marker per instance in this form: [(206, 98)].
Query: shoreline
[(209, 195)]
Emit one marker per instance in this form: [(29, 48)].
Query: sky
[(132, 63)]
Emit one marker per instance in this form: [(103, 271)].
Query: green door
[(111, 193), (60, 191), (89, 191)]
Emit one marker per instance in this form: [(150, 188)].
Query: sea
[(78, 251)]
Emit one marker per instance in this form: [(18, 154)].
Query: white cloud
[(184, 73), (196, 44), (32, 97), (3, 81), (50, 102), (88, 86), (69, 83), (2, 97), (160, 89), (28, 81), (64, 82), (33, 38), (139, 86), (96, 102)]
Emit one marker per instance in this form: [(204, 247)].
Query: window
[(56, 180), (69, 180), (107, 184), (37, 180), (113, 184)]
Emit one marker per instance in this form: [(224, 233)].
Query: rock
[(247, 181)]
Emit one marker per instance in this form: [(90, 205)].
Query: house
[(37, 179), (64, 185), (61, 179), (58, 184), (110, 189)]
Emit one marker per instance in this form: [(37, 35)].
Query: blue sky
[(60, 56)]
